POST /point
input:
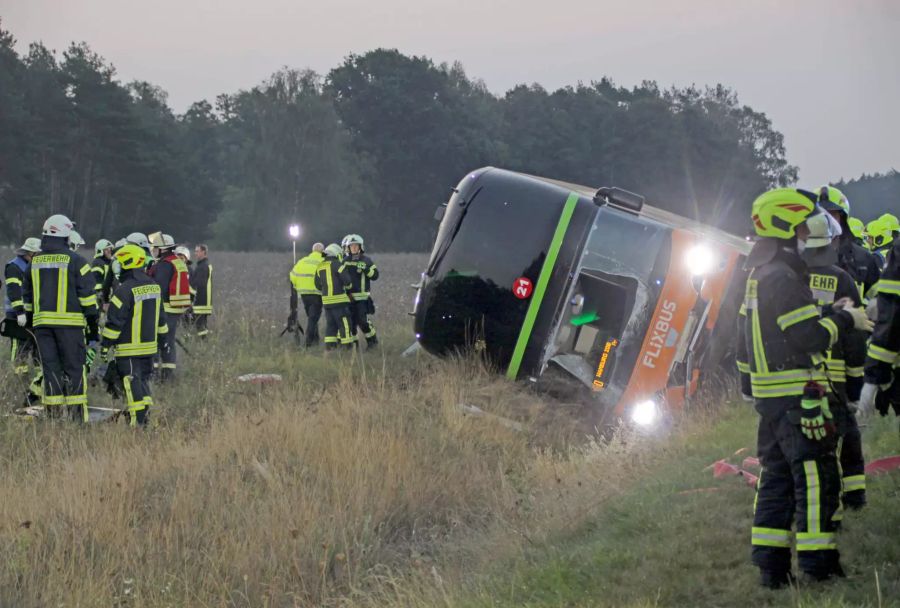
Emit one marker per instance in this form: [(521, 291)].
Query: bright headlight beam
[(700, 260), (645, 413)]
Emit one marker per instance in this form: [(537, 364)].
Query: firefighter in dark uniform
[(171, 274), (18, 308), (135, 327), (844, 361), (101, 267), (333, 281), (64, 304), (858, 261), (784, 340), (303, 283), (362, 272), (882, 387), (201, 287)]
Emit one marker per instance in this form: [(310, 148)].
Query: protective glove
[(164, 348), (292, 319), (812, 416), (22, 319), (89, 356), (360, 267), (861, 320), (104, 354), (867, 398), (812, 423)]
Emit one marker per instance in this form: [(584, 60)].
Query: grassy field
[(358, 481)]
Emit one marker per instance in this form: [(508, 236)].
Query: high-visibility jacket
[(884, 347), (333, 281), (62, 286), (16, 301), (362, 272), (844, 361), (303, 274), (781, 336), (171, 274), (136, 317), (201, 285)]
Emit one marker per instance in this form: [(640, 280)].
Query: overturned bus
[(631, 304)]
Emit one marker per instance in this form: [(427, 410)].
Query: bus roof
[(664, 217)]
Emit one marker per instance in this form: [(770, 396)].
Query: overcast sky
[(827, 72)]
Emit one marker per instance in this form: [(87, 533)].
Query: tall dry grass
[(353, 474)]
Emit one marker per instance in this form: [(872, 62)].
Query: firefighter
[(64, 303), (844, 362), (333, 282), (101, 267), (17, 306), (882, 388), (136, 327), (880, 239), (171, 274), (362, 272), (852, 257), (784, 339), (303, 282), (201, 287)]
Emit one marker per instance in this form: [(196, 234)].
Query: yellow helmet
[(131, 256), (879, 232), (857, 227), (778, 212), (890, 220), (832, 199)]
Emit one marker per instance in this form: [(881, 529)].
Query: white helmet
[(100, 245), (120, 243), (75, 240), (31, 245), (139, 239), (183, 251), (334, 250), (163, 241), (58, 225), (823, 229), (354, 239)]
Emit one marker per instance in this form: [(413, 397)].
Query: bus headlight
[(700, 260), (645, 413)]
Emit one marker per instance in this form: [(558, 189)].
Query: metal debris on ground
[(260, 378), (477, 412)]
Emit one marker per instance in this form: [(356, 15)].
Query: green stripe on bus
[(540, 289)]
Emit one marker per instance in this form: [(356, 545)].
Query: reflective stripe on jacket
[(303, 274), (136, 317), (362, 272), (333, 280), (62, 286), (16, 300), (781, 336)]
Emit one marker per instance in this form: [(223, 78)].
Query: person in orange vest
[(171, 274)]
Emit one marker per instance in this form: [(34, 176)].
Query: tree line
[(372, 147)]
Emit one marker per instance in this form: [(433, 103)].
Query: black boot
[(775, 579)]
